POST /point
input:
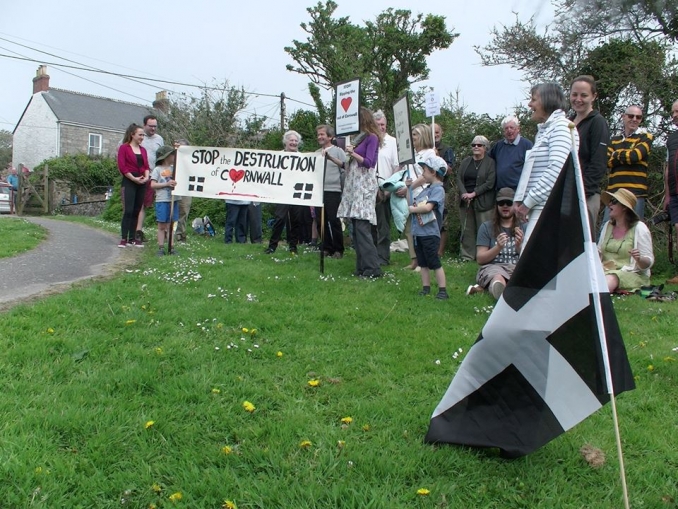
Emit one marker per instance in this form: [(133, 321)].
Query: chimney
[(41, 80), (161, 102)]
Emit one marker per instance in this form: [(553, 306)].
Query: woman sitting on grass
[(625, 244)]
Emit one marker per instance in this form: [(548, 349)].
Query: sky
[(206, 42)]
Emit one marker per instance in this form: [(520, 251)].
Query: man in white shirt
[(152, 142), (387, 164)]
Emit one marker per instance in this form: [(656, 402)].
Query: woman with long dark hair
[(133, 165), (360, 193)]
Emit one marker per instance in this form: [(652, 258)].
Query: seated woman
[(625, 244)]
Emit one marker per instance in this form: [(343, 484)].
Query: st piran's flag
[(537, 368)]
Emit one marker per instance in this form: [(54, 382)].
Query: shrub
[(84, 173)]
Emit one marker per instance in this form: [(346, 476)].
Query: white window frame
[(95, 149)]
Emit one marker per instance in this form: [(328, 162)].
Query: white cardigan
[(642, 240)]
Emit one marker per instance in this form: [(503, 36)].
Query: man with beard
[(498, 246)]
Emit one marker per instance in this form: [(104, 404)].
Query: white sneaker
[(496, 289), (474, 289)]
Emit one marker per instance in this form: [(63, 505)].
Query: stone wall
[(89, 208)]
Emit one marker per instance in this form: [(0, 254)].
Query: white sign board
[(347, 107), (403, 130), (292, 178), (432, 104)]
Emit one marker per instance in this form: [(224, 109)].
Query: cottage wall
[(75, 139), (35, 138)]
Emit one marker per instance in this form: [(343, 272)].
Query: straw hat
[(623, 196)]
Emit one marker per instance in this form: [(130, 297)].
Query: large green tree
[(623, 44), (388, 54)]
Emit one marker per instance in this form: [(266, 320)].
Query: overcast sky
[(204, 41)]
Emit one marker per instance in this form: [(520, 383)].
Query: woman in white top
[(551, 149)]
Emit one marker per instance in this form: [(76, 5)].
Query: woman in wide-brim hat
[(625, 244)]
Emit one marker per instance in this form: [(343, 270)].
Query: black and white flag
[(540, 365)]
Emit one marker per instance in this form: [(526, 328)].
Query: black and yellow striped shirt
[(627, 156)]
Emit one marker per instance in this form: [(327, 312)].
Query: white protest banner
[(432, 104), (403, 130), (292, 178), (347, 97)]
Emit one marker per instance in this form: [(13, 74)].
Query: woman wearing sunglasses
[(475, 179), (625, 244)]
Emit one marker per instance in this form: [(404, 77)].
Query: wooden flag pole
[(588, 239)]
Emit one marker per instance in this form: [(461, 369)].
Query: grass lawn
[(224, 374), (19, 235)]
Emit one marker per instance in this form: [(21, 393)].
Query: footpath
[(70, 253)]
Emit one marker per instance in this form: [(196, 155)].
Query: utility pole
[(282, 112)]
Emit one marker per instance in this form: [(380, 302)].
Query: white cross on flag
[(540, 364)]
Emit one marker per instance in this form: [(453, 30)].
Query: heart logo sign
[(236, 175), (346, 103)]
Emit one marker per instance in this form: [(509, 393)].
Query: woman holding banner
[(360, 192), (287, 216)]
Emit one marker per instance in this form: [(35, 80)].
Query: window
[(95, 144)]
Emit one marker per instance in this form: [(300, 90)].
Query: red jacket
[(127, 160)]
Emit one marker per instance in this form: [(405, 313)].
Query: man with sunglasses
[(498, 246), (627, 157)]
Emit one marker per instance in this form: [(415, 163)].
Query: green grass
[(19, 236), (83, 372)]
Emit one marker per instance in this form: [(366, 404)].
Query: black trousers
[(333, 241), (382, 232), (133, 199), (289, 217)]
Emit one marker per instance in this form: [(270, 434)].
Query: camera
[(660, 218)]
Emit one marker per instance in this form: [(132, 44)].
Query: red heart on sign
[(346, 103), (236, 175)]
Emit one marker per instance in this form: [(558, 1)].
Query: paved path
[(70, 253)]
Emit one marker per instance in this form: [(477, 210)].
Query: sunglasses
[(477, 145), (631, 116), (614, 201), (505, 203)]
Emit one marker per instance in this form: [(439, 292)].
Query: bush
[(85, 174)]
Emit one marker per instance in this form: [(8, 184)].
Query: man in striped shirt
[(627, 157)]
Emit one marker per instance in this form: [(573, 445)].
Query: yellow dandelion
[(149, 424), (220, 326), (249, 407), (227, 449), (130, 322), (216, 391), (229, 504), (279, 354), (50, 330), (253, 332), (305, 444), (341, 444), (366, 427), (314, 383), (245, 330), (143, 306), (158, 350), (156, 487), (38, 470), (175, 497), (152, 506), (650, 367), (669, 359), (346, 420), (423, 492)]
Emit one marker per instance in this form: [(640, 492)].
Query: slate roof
[(94, 111)]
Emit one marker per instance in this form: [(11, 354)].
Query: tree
[(5, 148), (621, 43), (388, 54)]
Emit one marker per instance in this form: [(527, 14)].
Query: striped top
[(627, 156), (544, 162)]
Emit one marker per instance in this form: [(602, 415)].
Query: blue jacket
[(399, 209)]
